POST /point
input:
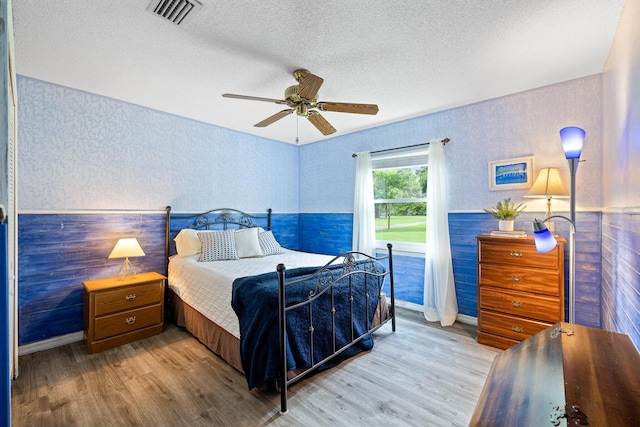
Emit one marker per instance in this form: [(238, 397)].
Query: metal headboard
[(221, 218)]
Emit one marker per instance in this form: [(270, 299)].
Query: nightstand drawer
[(538, 281), (127, 321), (520, 304), (127, 298), (510, 326), (516, 253)]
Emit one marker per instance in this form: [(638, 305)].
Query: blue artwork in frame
[(511, 174)]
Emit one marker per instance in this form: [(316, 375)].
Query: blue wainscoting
[(328, 234), (621, 274), (57, 252), (331, 234), (588, 267)]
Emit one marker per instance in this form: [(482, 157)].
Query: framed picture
[(511, 174)]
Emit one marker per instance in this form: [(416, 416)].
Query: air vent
[(175, 11)]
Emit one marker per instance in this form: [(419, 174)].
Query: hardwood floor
[(418, 376)]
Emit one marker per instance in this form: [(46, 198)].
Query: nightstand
[(118, 311)]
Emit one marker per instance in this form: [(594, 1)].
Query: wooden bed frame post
[(282, 325), (391, 290)]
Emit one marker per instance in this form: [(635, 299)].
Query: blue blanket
[(255, 301)]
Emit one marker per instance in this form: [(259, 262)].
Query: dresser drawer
[(513, 327), (127, 298), (127, 321), (526, 279), (517, 253), (520, 304)]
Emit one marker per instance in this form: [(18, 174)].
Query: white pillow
[(188, 243), (248, 243), (269, 244), (217, 245)]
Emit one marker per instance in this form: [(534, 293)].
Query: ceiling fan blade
[(253, 98), (342, 107), (321, 123), (274, 118), (309, 85)]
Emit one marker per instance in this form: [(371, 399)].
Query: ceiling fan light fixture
[(302, 110), (291, 96)]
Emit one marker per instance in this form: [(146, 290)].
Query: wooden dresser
[(520, 292), (118, 311), (566, 375)]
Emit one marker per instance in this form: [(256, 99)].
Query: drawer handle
[(517, 328), (516, 278), (516, 253), (517, 304), (130, 297), (130, 320)]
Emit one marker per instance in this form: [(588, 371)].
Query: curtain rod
[(444, 141)]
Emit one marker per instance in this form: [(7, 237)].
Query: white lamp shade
[(548, 183), (125, 248)]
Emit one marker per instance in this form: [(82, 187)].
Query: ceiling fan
[(302, 98)]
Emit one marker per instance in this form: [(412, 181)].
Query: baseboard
[(50, 343), (468, 320), (462, 318), (79, 336)]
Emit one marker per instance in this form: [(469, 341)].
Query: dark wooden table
[(565, 375)]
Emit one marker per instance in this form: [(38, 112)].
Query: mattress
[(206, 286)]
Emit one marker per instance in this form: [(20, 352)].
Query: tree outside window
[(400, 205)]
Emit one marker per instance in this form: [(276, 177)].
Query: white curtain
[(440, 302), (363, 209)]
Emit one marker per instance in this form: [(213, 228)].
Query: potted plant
[(506, 212)]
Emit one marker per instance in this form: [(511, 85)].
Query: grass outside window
[(402, 229)]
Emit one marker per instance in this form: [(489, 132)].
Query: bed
[(273, 314)]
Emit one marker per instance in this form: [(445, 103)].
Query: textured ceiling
[(409, 57)]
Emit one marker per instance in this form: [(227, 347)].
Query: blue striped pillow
[(269, 244), (218, 245)]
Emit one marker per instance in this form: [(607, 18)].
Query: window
[(400, 193)]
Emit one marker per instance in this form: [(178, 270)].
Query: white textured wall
[(522, 124), (621, 114), (83, 151)]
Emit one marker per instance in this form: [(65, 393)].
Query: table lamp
[(126, 248), (548, 184)]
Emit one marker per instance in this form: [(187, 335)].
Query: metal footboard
[(326, 279)]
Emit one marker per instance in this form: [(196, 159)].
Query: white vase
[(505, 225)]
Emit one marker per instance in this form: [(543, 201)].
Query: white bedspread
[(206, 286)]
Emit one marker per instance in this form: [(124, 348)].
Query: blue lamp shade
[(543, 238), (572, 141)]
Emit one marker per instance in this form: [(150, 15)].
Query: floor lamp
[(545, 242), (572, 142)]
